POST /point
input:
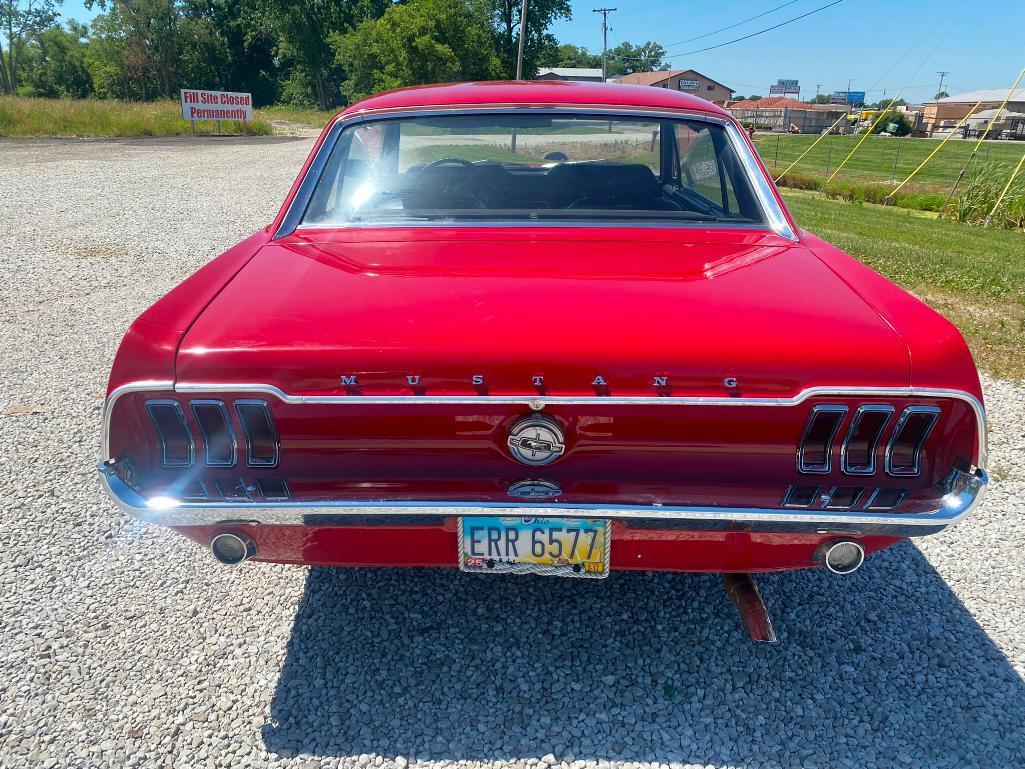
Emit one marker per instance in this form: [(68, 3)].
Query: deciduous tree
[(417, 42), (19, 20), (539, 45)]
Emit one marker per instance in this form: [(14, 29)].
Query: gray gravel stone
[(123, 644)]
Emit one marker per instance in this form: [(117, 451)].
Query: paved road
[(123, 644)]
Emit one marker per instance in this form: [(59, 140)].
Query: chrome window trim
[(907, 412), (250, 462), (776, 219), (869, 469), (226, 416), (802, 466), (956, 504), (180, 412)]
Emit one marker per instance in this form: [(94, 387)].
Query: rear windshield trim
[(770, 207)]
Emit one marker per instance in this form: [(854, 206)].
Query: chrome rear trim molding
[(966, 490), (539, 402)]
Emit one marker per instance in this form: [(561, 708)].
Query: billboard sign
[(784, 87), (847, 97), (689, 85), (216, 105)]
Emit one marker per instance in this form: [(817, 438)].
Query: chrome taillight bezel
[(846, 466), (915, 468), (170, 403), (241, 406), (195, 406), (824, 468)]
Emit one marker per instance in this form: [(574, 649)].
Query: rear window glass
[(532, 167)]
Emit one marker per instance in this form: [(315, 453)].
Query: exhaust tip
[(840, 556), (232, 549)]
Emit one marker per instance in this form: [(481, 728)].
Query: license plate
[(563, 547)]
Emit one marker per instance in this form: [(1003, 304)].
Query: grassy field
[(974, 276), (22, 116), (879, 156)]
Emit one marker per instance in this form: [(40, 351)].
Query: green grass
[(314, 118), (877, 157), (974, 276), (24, 116)]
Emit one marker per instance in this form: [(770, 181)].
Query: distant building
[(686, 80), (940, 117), (781, 113), (583, 74)]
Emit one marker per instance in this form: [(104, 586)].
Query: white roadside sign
[(216, 105)]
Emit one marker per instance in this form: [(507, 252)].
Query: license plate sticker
[(563, 547)]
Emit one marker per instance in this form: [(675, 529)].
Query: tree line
[(307, 53)]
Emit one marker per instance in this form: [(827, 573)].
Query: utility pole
[(817, 87), (940, 89), (523, 40), (604, 38)]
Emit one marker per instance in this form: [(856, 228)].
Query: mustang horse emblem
[(536, 440)]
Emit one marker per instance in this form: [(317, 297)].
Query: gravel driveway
[(123, 644)]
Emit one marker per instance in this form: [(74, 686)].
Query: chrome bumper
[(961, 493)]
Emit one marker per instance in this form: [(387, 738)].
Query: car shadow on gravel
[(885, 667)]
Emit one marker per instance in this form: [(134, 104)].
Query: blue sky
[(980, 42)]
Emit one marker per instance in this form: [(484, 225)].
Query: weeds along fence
[(978, 197), (882, 162)]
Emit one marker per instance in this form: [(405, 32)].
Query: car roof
[(535, 92)]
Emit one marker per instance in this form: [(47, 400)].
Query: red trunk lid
[(452, 307)]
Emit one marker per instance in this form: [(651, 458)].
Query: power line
[(731, 26), (761, 31)]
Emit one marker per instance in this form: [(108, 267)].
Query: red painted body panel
[(938, 354), (447, 304), (696, 306), (649, 550), (541, 93), (148, 349)]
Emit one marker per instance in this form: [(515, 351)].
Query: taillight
[(858, 452), (261, 437), (816, 448), (218, 436), (220, 444), (168, 417), (904, 451)]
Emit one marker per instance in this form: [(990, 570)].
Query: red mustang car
[(542, 327)]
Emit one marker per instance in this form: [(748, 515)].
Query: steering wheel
[(470, 188), (449, 162)]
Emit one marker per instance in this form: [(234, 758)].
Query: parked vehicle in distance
[(558, 327)]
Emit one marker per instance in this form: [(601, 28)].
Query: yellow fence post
[(931, 154), (821, 137), (983, 137), (1004, 192), (868, 133)]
